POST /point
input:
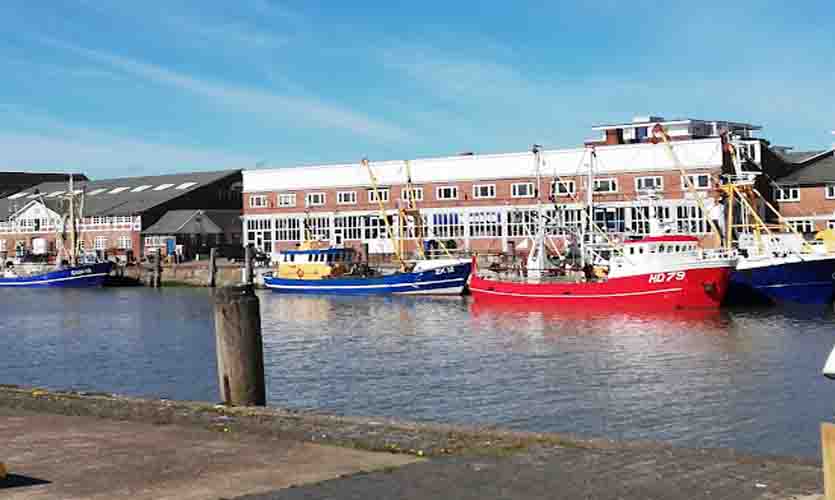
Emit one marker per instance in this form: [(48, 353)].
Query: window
[(447, 225), (100, 243), (830, 191), (485, 224), (802, 225), (522, 190), (125, 243), (2, 245), (139, 189), (787, 194), (416, 194), (484, 191), (380, 194), (447, 193), (563, 188), (257, 201), (287, 200), (314, 199), (830, 224), (118, 190), (609, 185), (288, 229), (163, 187), (185, 185), (98, 220), (350, 226), (689, 219), (346, 197), (655, 182), (699, 181)]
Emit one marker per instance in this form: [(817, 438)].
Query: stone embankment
[(417, 460)]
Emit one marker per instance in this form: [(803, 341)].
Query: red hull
[(694, 288)]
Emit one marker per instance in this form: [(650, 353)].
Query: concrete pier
[(67, 445)]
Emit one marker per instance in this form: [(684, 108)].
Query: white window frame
[(453, 191), (801, 225), (491, 191), (384, 193), (346, 197), (514, 190), (793, 193), (257, 201), (417, 194), (125, 243), (287, 200), (308, 199), (612, 181), (830, 224), (659, 187), (570, 184), (694, 180), (830, 191), (100, 243), (2, 245)]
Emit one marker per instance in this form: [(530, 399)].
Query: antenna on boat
[(382, 208)]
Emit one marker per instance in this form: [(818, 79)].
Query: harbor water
[(746, 378)]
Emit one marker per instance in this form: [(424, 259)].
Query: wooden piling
[(212, 267), (240, 354), (249, 257), (828, 451), (157, 276)]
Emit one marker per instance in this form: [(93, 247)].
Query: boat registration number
[(666, 277), (444, 270)]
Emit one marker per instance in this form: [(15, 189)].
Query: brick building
[(806, 193), (488, 202), (116, 211)]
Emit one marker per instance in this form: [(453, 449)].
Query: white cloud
[(290, 109), (45, 143)]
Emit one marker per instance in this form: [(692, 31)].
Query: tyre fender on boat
[(300, 273)]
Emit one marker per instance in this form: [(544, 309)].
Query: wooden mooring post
[(249, 257), (828, 452), (156, 278), (240, 352), (212, 267)]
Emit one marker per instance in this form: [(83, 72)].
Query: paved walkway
[(575, 474), (65, 457)]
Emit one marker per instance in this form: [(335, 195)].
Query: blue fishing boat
[(88, 275), (335, 271), (795, 278)]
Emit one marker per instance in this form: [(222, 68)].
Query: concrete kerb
[(371, 434)]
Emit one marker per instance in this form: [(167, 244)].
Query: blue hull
[(806, 282), (444, 280), (88, 275)]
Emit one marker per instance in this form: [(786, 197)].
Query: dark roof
[(13, 182), (197, 222), (133, 195), (796, 156), (819, 171)]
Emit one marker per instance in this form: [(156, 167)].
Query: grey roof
[(796, 156), (819, 171), (13, 182), (197, 222), (139, 193)]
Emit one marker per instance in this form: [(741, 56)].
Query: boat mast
[(72, 235), (589, 208), (382, 209)]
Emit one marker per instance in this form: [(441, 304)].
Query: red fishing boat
[(670, 272)]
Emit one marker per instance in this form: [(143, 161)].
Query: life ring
[(300, 273)]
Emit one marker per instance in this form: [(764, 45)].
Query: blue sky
[(138, 88)]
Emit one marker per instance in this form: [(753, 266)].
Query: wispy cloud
[(287, 108), (46, 143)]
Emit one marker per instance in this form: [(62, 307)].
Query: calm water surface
[(743, 379)]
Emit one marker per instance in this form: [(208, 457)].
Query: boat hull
[(88, 275), (802, 282), (691, 288), (444, 280)]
